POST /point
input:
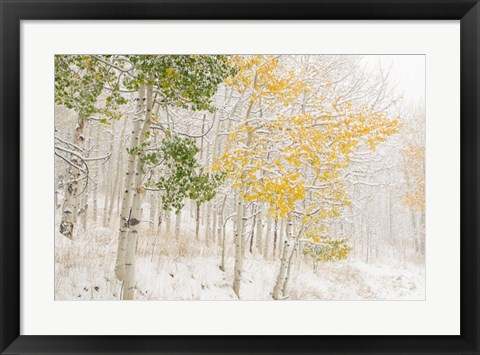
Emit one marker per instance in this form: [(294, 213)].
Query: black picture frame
[(14, 11)]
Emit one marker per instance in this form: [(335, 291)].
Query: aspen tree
[(136, 211), (128, 187)]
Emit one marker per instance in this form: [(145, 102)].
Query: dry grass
[(186, 269)]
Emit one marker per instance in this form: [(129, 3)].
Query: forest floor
[(182, 269)]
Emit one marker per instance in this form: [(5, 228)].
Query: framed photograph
[(239, 177)]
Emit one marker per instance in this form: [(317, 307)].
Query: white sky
[(407, 73)]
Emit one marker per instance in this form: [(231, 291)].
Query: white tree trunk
[(84, 204), (237, 271), (178, 220), (56, 197), (197, 222), (97, 175), (259, 232), (168, 222), (214, 224), (289, 268), (275, 237), (222, 237), (132, 239), (70, 202), (208, 226), (244, 227), (116, 188), (136, 215), (219, 227), (202, 140), (153, 212), (128, 188), (283, 262), (192, 208), (282, 238), (266, 242), (67, 224)]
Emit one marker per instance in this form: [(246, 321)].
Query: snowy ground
[(184, 270)]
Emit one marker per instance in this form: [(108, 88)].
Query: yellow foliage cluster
[(266, 78), (278, 159), (414, 156), (325, 143), (280, 193)]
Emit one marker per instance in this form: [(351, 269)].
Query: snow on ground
[(187, 270)]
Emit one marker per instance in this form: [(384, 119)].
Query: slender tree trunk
[(216, 153), (197, 223), (69, 202), (84, 200), (116, 188), (415, 230), (281, 237), (153, 212), (178, 219), (219, 227), (191, 208), (214, 224), (159, 230), (275, 233), (238, 240), (136, 216), (129, 186), (422, 232), (76, 208), (71, 191), (121, 187), (237, 271), (132, 239), (244, 228), (267, 238), (283, 262), (84, 204), (107, 175), (97, 174), (222, 236), (168, 222), (282, 272), (252, 233), (201, 158), (289, 268), (208, 226), (161, 214), (56, 196), (260, 230)]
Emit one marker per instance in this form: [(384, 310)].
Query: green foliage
[(79, 82), (204, 186), (133, 150), (187, 81), (151, 158), (183, 177), (327, 249), (137, 150)]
